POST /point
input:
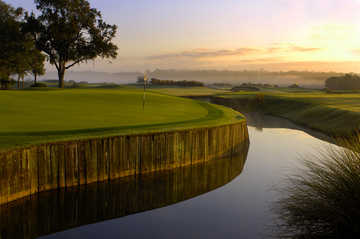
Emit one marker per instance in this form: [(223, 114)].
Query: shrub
[(260, 98), (323, 200), (108, 86), (294, 86), (39, 84), (346, 82), (73, 85)]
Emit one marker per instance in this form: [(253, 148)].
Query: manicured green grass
[(188, 91), (333, 114), (38, 116)]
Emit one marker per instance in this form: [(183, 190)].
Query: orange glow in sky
[(320, 35)]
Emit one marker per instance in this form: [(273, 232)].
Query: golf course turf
[(39, 116), (334, 114)]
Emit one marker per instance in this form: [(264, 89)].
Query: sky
[(315, 35)]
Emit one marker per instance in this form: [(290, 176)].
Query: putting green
[(39, 116)]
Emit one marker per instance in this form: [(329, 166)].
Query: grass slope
[(188, 91), (38, 116), (333, 114)]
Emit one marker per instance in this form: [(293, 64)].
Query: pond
[(229, 198)]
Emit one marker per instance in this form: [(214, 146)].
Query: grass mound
[(38, 116), (333, 114)]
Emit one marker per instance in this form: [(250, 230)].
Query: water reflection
[(322, 199), (52, 212), (261, 121), (257, 119)]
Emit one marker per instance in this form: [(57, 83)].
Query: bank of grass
[(322, 199), (39, 116), (333, 114)]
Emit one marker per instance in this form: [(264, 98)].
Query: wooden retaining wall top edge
[(44, 167), (66, 142)]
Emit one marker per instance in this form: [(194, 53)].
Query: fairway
[(333, 114), (37, 116), (188, 91)]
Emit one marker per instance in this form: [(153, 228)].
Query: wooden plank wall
[(65, 164)]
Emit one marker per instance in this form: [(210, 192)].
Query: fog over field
[(95, 77), (302, 78)]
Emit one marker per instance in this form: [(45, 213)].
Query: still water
[(230, 198)]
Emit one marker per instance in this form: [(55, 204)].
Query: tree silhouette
[(70, 32), (12, 43)]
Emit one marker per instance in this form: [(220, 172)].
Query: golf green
[(40, 116)]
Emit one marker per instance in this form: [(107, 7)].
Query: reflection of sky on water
[(239, 209)]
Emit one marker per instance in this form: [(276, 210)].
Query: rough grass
[(333, 114), (38, 116), (322, 200)]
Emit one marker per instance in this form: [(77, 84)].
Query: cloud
[(201, 53), (246, 51), (304, 49), (261, 60), (356, 51), (274, 49)]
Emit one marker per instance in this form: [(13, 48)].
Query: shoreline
[(295, 113), (50, 166)]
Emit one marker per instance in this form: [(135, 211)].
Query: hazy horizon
[(320, 35), (281, 78)]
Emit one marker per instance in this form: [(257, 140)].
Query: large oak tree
[(11, 42), (71, 32), (18, 54)]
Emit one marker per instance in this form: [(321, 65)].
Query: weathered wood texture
[(53, 211), (65, 164)]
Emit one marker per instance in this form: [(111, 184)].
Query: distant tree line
[(345, 82), (249, 84), (221, 85), (183, 83), (250, 75), (66, 33)]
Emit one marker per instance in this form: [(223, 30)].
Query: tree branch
[(74, 63), (52, 57), (56, 65)]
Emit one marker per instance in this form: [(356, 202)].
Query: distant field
[(334, 113), (337, 114), (36, 116), (188, 91)]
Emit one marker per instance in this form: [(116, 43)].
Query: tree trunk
[(35, 78), (18, 82), (22, 82), (61, 74)]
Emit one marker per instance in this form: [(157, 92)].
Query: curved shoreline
[(83, 114), (334, 123), (50, 166), (65, 209), (216, 117)]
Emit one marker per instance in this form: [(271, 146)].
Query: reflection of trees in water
[(256, 117), (50, 212), (323, 199)]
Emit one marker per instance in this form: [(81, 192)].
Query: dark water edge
[(261, 121), (55, 211), (223, 199), (257, 119)]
